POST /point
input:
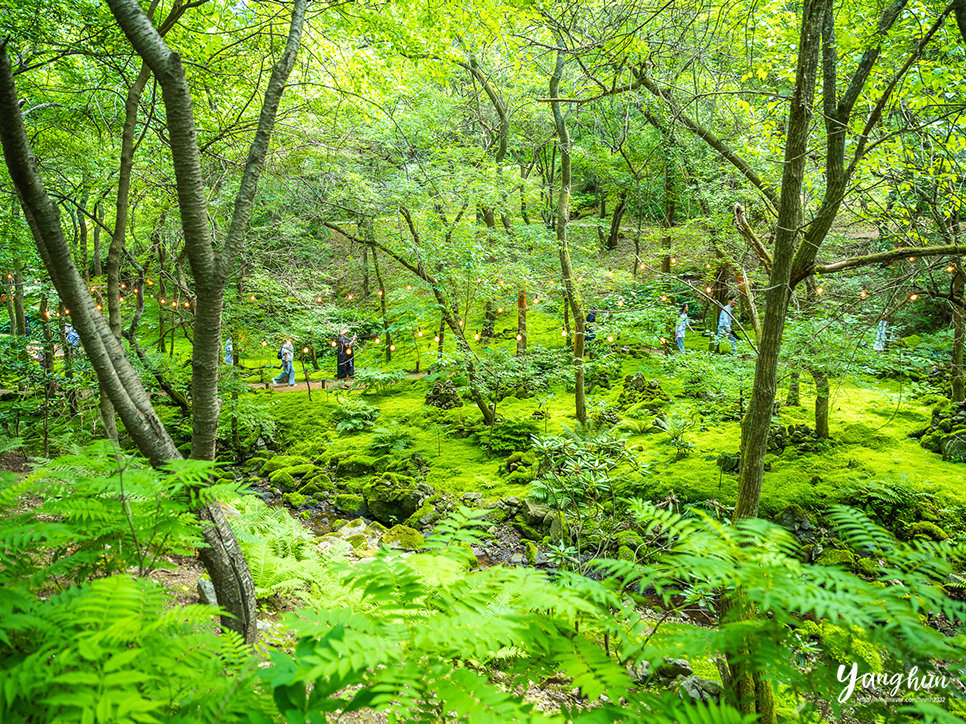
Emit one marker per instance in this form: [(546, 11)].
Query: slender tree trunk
[(615, 223), (821, 402), (99, 216), (82, 242), (794, 398), (521, 321), (489, 320), (562, 219), (370, 232), (18, 306), (959, 332)]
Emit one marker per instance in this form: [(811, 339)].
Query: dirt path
[(319, 385)]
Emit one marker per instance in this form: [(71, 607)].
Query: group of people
[(725, 331), (345, 361)]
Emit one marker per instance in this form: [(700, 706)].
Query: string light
[(264, 343), (499, 310), (376, 340), (162, 300), (642, 266), (186, 305), (333, 343), (150, 283), (620, 302), (663, 341), (519, 337), (610, 338), (610, 275), (820, 290), (863, 294), (950, 268), (305, 350), (912, 258), (350, 296), (913, 297), (476, 336), (124, 286), (707, 266), (392, 348), (674, 260), (563, 332), (253, 297), (663, 298), (420, 333), (408, 286), (174, 304), (120, 300), (318, 299), (707, 290), (436, 338), (380, 293), (580, 279), (461, 322), (99, 306)]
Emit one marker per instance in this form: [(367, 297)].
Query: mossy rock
[(866, 567), (357, 541), (392, 498), (924, 530), (316, 486), (809, 629), (497, 515), (294, 499), (629, 538), (638, 390), (521, 476), (425, 517), (401, 536), (355, 466), (283, 461), (524, 529), (283, 480), (933, 441), (836, 557), (351, 504), (302, 471), (625, 554), (338, 525), (532, 551), (848, 645)]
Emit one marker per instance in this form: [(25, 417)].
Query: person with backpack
[(287, 355), (345, 361)]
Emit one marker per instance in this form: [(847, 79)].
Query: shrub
[(352, 415)]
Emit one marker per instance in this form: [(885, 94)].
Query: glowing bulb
[(392, 348), (124, 286), (264, 343), (499, 309), (620, 302), (408, 286), (707, 290), (305, 350), (580, 279), (610, 274), (318, 299), (461, 323), (913, 297), (707, 266), (420, 333), (380, 292), (150, 283), (350, 296), (333, 343), (174, 304), (186, 305), (863, 294), (519, 337), (120, 300), (610, 338), (135, 291), (252, 297), (663, 298), (162, 300), (99, 306), (476, 336), (663, 341), (642, 266), (348, 350), (820, 290), (436, 338), (376, 340), (674, 260), (912, 258), (950, 268), (563, 332), (66, 311)]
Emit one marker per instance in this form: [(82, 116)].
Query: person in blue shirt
[(683, 324), (724, 326)]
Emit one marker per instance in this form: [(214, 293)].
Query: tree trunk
[(521, 322), (370, 234), (18, 306), (821, 402), (615, 223), (99, 217), (489, 320), (82, 242), (566, 267), (794, 398), (959, 333)]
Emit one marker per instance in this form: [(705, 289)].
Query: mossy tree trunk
[(821, 402)]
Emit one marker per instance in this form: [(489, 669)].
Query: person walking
[(724, 327), (345, 361), (683, 324), (287, 355)]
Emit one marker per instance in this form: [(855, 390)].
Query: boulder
[(647, 394), (700, 690), (392, 497), (444, 396), (282, 461), (400, 536)]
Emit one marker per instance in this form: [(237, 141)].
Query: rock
[(392, 498), (954, 448), (673, 668), (282, 461), (206, 592), (351, 504), (639, 673), (535, 514), (263, 625), (444, 396), (638, 390), (518, 560), (700, 690), (471, 498), (400, 536)]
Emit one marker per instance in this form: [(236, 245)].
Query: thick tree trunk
[(615, 222), (489, 320), (563, 248)]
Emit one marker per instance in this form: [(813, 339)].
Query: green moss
[(836, 557), (339, 525), (927, 531), (497, 515), (846, 646), (520, 523), (532, 551), (293, 499), (401, 536), (349, 503), (426, 511), (629, 538), (626, 554), (282, 461), (301, 471), (355, 466), (357, 541), (809, 629), (282, 479)]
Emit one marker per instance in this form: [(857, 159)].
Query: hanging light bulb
[(707, 290), (912, 258), (663, 298), (350, 296), (950, 268), (409, 286), (913, 297), (820, 290), (253, 297), (120, 300), (674, 260), (610, 338), (663, 341), (519, 337), (380, 292), (99, 306), (174, 304), (333, 343), (392, 348), (610, 275), (420, 333), (620, 302), (376, 340), (707, 266), (563, 332), (436, 338), (150, 283), (642, 266), (264, 343), (499, 310), (461, 322), (476, 336), (318, 299), (305, 350), (863, 294)]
